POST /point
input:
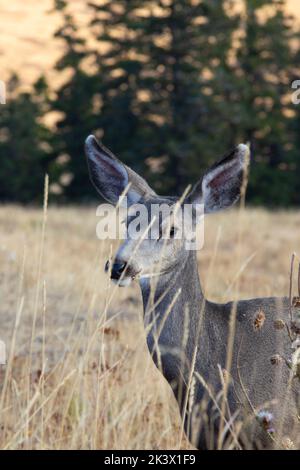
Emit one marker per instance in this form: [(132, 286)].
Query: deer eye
[(172, 232)]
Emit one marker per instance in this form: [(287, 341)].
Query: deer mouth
[(122, 282)]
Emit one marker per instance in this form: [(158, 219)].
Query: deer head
[(146, 256)]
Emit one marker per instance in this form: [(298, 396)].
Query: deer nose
[(117, 270)]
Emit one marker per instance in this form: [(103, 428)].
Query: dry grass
[(79, 374)]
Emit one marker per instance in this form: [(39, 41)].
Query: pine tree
[(158, 72), (169, 87), (118, 29), (186, 44), (265, 64), (25, 150), (74, 103)]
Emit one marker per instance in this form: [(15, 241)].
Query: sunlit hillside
[(26, 43)]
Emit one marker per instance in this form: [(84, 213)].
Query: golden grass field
[(79, 375)]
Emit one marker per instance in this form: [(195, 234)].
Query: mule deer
[(231, 366)]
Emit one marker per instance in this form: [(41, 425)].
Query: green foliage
[(73, 102), (169, 86), (154, 82), (24, 143), (265, 66)]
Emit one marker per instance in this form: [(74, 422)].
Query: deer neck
[(177, 286), (172, 303)]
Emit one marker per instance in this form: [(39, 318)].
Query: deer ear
[(221, 185), (111, 177)]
